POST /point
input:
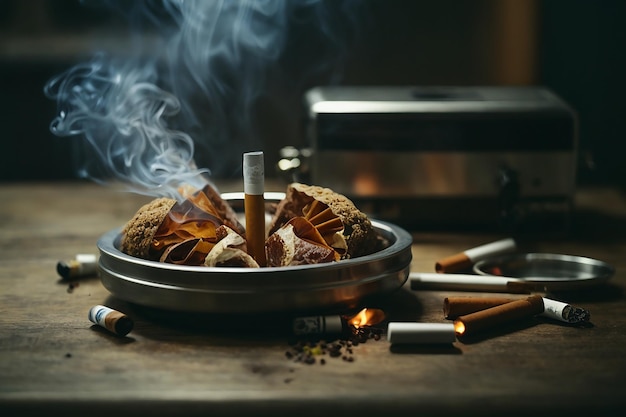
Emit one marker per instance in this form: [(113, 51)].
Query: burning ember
[(349, 332), (367, 317)]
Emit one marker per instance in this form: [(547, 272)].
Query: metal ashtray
[(256, 290), (548, 270)]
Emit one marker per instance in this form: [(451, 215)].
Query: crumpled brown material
[(188, 232)]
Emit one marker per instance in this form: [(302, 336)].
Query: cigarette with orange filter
[(464, 260), (484, 319), (254, 204), (454, 307)]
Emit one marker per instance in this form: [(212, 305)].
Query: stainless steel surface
[(548, 270), (400, 175), (413, 141), (415, 154), (429, 99), (340, 284)]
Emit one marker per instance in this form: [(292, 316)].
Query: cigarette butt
[(464, 260), (254, 204), (112, 320), (319, 325), (420, 333), (515, 310), (454, 307), (85, 264), (457, 262), (558, 310)]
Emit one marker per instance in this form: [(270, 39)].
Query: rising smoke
[(144, 118)]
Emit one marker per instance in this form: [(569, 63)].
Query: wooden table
[(53, 361)]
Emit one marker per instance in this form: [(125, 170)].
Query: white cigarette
[(564, 312), (420, 333), (465, 282), (467, 258)]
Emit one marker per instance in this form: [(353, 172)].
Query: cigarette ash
[(576, 314), (311, 350)]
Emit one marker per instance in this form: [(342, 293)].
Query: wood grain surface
[(54, 361)]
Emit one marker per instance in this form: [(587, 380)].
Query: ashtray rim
[(247, 290), (590, 271)]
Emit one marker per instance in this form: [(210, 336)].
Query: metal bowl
[(256, 290), (548, 270)]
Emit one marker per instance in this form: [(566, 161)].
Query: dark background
[(574, 47)]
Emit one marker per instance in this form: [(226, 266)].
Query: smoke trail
[(121, 112), (144, 117)]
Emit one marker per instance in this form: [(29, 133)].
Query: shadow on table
[(158, 324)]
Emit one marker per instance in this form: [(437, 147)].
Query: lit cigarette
[(463, 282), (420, 333), (564, 312), (112, 320), (337, 324), (254, 204), (464, 260), (454, 307), (320, 325), (85, 264), (484, 319)]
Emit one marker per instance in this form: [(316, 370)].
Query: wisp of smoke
[(143, 117), (122, 114)]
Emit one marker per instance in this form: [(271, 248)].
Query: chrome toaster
[(495, 157)]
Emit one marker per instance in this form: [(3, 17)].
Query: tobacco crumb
[(71, 286), (335, 353), (307, 351), (68, 355), (287, 380)]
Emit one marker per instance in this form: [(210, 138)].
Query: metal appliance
[(496, 157)]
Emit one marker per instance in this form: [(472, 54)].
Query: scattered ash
[(71, 286), (318, 351)]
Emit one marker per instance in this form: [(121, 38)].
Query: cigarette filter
[(515, 310), (319, 325), (564, 312), (254, 204), (85, 264), (454, 307), (110, 319), (420, 333), (464, 260)]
